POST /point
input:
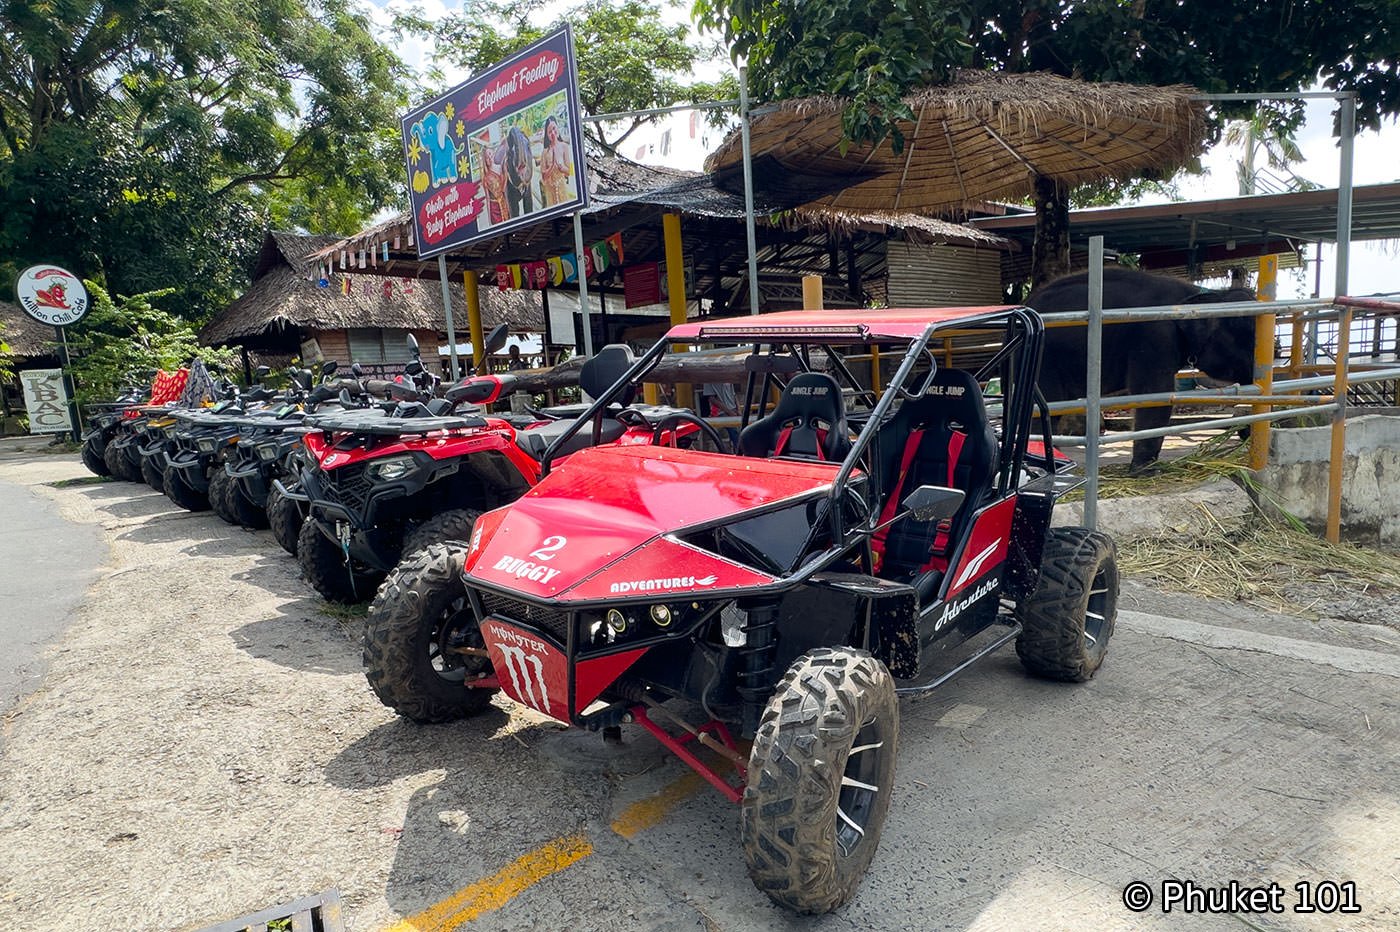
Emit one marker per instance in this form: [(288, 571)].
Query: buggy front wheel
[(422, 643), (820, 776)]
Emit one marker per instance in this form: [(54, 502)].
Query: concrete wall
[(1296, 477)]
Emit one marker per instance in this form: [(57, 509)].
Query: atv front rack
[(393, 426)]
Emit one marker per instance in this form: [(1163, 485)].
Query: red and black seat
[(942, 438), (809, 420)]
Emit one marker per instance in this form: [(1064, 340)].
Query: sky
[(1374, 266)]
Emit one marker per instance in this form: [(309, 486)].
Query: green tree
[(874, 53), (146, 143), (125, 335), (628, 58)]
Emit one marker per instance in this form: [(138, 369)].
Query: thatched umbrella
[(986, 136)]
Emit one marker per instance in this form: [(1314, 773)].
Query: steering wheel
[(632, 417), (685, 417)]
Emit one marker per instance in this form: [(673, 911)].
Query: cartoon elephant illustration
[(431, 133)]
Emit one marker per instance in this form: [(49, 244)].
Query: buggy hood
[(601, 526)]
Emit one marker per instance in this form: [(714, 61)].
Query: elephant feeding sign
[(500, 151)]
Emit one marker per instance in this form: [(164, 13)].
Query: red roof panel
[(838, 324)]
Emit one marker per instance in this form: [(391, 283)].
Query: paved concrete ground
[(207, 747), (46, 565)]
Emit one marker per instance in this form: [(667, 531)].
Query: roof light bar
[(743, 333)]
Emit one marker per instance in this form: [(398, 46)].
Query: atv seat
[(944, 439), (536, 440), (809, 420)]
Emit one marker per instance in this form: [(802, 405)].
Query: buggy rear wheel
[(323, 565), (219, 481), (417, 630), (182, 493), (285, 518), (1067, 620), (92, 458), (819, 780)]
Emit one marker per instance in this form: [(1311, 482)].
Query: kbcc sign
[(46, 399)]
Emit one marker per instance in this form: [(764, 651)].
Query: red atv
[(378, 485), (860, 546)]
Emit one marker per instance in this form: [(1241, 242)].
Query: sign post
[(500, 151), (54, 296)]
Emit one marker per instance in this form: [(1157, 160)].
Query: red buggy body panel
[(610, 509)]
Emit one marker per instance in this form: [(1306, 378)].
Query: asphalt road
[(46, 564), (207, 746)]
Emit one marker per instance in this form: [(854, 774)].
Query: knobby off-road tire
[(323, 565), (828, 733), (93, 460), (242, 508), (1068, 619), (420, 614), (152, 472), (219, 481), (114, 458), (285, 518), (454, 525), (182, 493)]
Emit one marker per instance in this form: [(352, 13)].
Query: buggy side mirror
[(357, 370), (933, 502), (413, 345), (261, 372), (328, 368)]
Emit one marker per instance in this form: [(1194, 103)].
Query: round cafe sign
[(51, 295)]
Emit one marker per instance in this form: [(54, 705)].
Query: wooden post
[(1339, 428), (675, 287), (469, 283), (1264, 378), (812, 293), (875, 368)]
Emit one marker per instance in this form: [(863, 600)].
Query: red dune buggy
[(860, 545)]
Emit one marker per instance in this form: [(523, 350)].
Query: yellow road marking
[(499, 889), (645, 813)]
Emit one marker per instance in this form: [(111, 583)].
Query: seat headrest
[(812, 395), (601, 373), (953, 395)]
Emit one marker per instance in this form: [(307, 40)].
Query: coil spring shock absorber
[(756, 662)]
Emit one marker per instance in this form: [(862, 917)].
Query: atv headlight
[(206, 444), (170, 431), (661, 616), (267, 452), (391, 468)]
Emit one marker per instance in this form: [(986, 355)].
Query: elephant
[(1142, 357), (520, 170), (431, 133)]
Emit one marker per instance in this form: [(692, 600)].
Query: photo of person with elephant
[(501, 150), (525, 161)]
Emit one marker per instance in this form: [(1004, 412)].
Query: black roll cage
[(1016, 363)]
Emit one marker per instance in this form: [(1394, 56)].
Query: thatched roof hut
[(284, 298), (25, 336), (984, 137)]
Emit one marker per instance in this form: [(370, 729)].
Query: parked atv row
[(617, 563)]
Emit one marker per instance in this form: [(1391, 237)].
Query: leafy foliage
[(147, 143), (122, 339), (628, 59), (876, 53)]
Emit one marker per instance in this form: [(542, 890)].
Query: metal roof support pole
[(748, 188), (447, 312), (580, 268), (1094, 376), (1344, 185)]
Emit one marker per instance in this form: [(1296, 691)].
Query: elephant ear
[(442, 134)]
